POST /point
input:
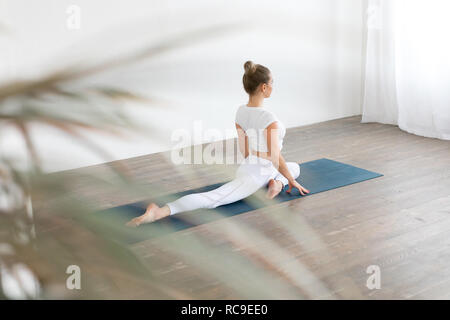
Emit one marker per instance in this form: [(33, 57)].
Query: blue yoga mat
[(317, 176)]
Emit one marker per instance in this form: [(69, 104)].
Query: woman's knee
[(294, 169)]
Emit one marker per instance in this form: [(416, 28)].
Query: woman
[(260, 136)]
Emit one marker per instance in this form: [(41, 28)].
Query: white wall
[(313, 48)]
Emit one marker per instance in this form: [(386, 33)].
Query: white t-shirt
[(253, 120)]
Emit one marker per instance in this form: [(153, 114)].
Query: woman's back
[(253, 120)]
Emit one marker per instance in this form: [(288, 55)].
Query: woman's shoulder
[(240, 116), (267, 117), (267, 113), (241, 108)]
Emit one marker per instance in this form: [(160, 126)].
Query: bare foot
[(147, 217), (275, 187)]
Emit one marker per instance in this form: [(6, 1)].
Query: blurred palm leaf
[(61, 227)]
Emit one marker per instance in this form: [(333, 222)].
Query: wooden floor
[(399, 222)]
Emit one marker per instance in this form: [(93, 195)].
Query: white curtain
[(407, 76)]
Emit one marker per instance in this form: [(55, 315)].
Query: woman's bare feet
[(152, 213), (275, 187)]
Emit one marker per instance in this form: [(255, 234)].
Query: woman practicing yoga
[(260, 135)]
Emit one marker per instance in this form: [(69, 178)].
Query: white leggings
[(253, 174)]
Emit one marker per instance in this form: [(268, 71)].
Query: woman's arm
[(274, 152), (243, 141), (274, 155)]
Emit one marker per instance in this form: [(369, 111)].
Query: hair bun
[(254, 75), (249, 67)]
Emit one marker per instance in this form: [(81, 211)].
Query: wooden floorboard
[(400, 222)]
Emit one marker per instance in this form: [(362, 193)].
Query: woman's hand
[(295, 184)]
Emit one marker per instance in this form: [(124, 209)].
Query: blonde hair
[(254, 75)]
